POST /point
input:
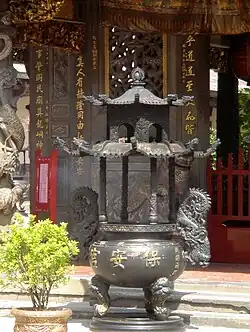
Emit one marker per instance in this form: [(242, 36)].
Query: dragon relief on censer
[(12, 137)]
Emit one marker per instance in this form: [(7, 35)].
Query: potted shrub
[(35, 257)]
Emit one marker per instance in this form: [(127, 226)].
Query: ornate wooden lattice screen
[(128, 50)]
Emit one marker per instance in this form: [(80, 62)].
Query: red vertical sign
[(45, 183), (53, 185)]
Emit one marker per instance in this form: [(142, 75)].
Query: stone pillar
[(188, 74), (95, 128), (11, 129), (174, 85), (7, 32), (97, 76), (202, 97), (227, 114)]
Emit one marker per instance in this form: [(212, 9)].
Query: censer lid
[(139, 94)]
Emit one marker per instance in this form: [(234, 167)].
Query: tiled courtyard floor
[(7, 325), (215, 272)]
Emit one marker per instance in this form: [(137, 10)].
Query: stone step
[(188, 295), (79, 286), (220, 302), (214, 286)]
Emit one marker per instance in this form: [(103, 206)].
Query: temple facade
[(81, 48)]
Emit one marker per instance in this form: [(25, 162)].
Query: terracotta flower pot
[(53, 320)]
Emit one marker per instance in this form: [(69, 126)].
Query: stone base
[(127, 322)]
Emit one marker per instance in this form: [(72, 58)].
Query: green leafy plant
[(244, 117), (36, 257), (212, 139)]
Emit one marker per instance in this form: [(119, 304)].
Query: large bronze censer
[(151, 249)]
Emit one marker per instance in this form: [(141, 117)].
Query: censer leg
[(161, 290), (100, 288)]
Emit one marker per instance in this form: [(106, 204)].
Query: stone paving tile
[(7, 325)]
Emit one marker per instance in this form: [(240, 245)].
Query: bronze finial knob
[(137, 75)]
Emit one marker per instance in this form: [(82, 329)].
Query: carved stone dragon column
[(11, 128)]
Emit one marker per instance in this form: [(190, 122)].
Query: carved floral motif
[(69, 36), (34, 10), (41, 328), (60, 75)]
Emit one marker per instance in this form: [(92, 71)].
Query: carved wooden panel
[(138, 194), (60, 75), (129, 50), (60, 111), (60, 130), (62, 181)]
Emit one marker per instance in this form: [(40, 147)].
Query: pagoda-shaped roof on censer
[(139, 94), (114, 148)]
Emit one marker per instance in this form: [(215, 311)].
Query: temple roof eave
[(59, 26), (179, 17)]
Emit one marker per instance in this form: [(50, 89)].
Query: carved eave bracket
[(184, 155), (193, 144), (186, 158), (62, 145), (110, 149)]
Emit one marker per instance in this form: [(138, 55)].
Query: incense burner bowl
[(151, 256), (148, 263), (137, 263)]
